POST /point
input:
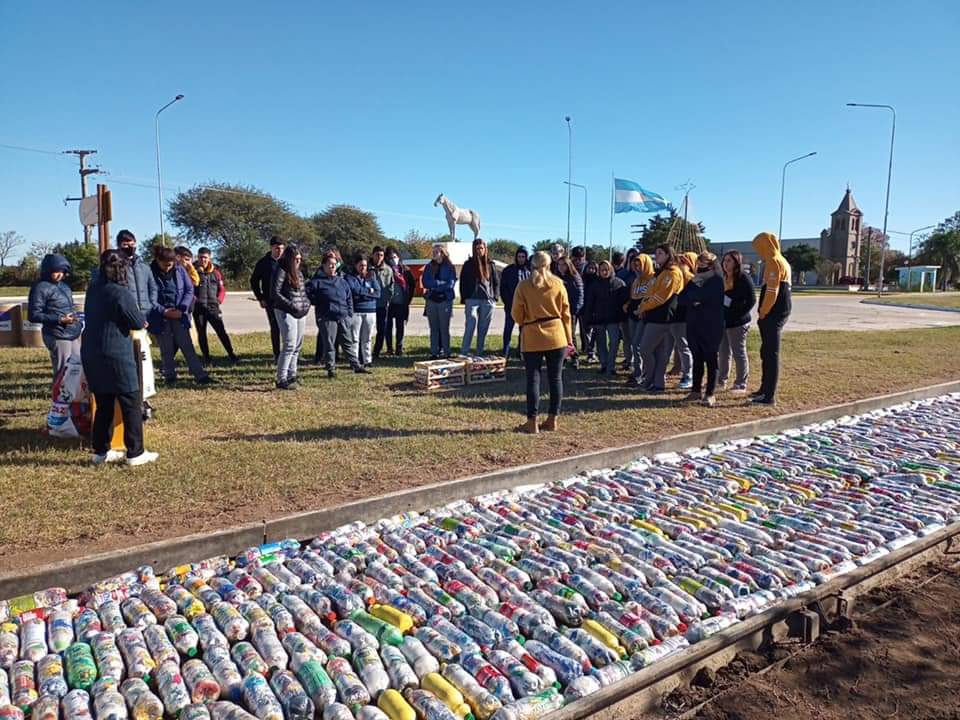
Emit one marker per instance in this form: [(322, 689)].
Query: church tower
[(841, 243)]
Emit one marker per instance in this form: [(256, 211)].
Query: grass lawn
[(944, 300), (243, 451)]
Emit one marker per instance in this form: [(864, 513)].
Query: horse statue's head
[(440, 198)]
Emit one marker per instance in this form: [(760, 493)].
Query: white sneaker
[(143, 458), (111, 456)]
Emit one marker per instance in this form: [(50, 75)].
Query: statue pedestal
[(459, 251)]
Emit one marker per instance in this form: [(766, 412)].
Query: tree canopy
[(802, 258), (348, 228), (942, 247)]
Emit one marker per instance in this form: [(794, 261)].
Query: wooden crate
[(487, 369), (439, 374)]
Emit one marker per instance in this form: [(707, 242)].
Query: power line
[(33, 150)]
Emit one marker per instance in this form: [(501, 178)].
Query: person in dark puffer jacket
[(288, 299), (170, 320), (573, 283), (208, 298), (603, 311), (332, 295), (51, 305), (365, 289), (510, 278)]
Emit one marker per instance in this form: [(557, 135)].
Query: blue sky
[(384, 105)]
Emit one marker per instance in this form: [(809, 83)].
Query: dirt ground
[(899, 659)]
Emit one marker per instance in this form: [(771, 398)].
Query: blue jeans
[(438, 317), (479, 313), (291, 341), (608, 337)]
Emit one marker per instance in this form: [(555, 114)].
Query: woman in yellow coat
[(542, 311)]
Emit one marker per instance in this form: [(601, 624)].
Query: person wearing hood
[(404, 287), (479, 290), (51, 305), (260, 285), (588, 338), (510, 278), (658, 310), (774, 309), (334, 297), (603, 310), (209, 297), (643, 274), (365, 289), (687, 262), (170, 319), (703, 298)]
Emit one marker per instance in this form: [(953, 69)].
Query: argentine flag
[(630, 197)]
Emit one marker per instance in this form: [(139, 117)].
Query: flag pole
[(612, 194)]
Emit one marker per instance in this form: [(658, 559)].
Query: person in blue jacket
[(51, 305), (170, 318), (331, 295), (439, 280), (703, 297), (110, 366), (512, 276), (365, 287)]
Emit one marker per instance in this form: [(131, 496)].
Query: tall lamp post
[(886, 204), (569, 171), (783, 182), (159, 178), (912, 233), (582, 187)]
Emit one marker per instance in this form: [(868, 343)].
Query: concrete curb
[(78, 574), (910, 306)]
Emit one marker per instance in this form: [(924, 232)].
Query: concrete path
[(816, 312)]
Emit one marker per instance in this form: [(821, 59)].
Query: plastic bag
[(69, 415)]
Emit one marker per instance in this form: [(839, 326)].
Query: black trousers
[(588, 338), (381, 330), (131, 409), (703, 358), (396, 315), (771, 329), (274, 333), (204, 316), (533, 361)]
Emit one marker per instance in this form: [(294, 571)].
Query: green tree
[(349, 228), (237, 221), (546, 244), (891, 261), (942, 247), (872, 240), (83, 259), (657, 229), (10, 240), (802, 258), (503, 250), (147, 246), (419, 244)]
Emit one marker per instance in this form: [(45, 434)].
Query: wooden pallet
[(433, 375), (488, 369)]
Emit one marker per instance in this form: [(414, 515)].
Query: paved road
[(816, 312)]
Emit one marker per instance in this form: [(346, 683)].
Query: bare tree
[(9, 241)]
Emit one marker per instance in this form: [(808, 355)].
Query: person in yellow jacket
[(642, 265), (774, 309), (542, 311), (682, 357), (658, 310)]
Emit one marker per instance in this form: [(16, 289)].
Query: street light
[(569, 172), (569, 185), (886, 204), (159, 180), (912, 233), (783, 181)]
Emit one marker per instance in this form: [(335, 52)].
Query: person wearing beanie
[(260, 285), (774, 310), (658, 309), (479, 289), (703, 298), (643, 275), (50, 305), (687, 262), (510, 278), (541, 308), (739, 299)]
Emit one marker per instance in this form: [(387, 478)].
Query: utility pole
[(84, 171)]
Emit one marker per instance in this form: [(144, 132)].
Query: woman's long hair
[(113, 267), (671, 256), (294, 277), (540, 275), (571, 268), (737, 260), (482, 267), (444, 257)]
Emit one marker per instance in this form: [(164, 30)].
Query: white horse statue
[(458, 216)]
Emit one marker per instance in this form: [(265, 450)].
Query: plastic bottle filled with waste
[(267, 643), (80, 666), (437, 645), (111, 619), (172, 689), (400, 673), (337, 711), (136, 655), (195, 711), (46, 707), (566, 668), (546, 674), (248, 660), (438, 700), (521, 679), (230, 621), (9, 645), (489, 677), (395, 706), (59, 630), (141, 702), (419, 657), (109, 661), (136, 613), (76, 705), (481, 701), (259, 698), (23, 684), (297, 705), (182, 635), (108, 703), (33, 640), (208, 632), (50, 677), (200, 681), (349, 686), (159, 645), (581, 687), (367, 663), (317, 683)]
